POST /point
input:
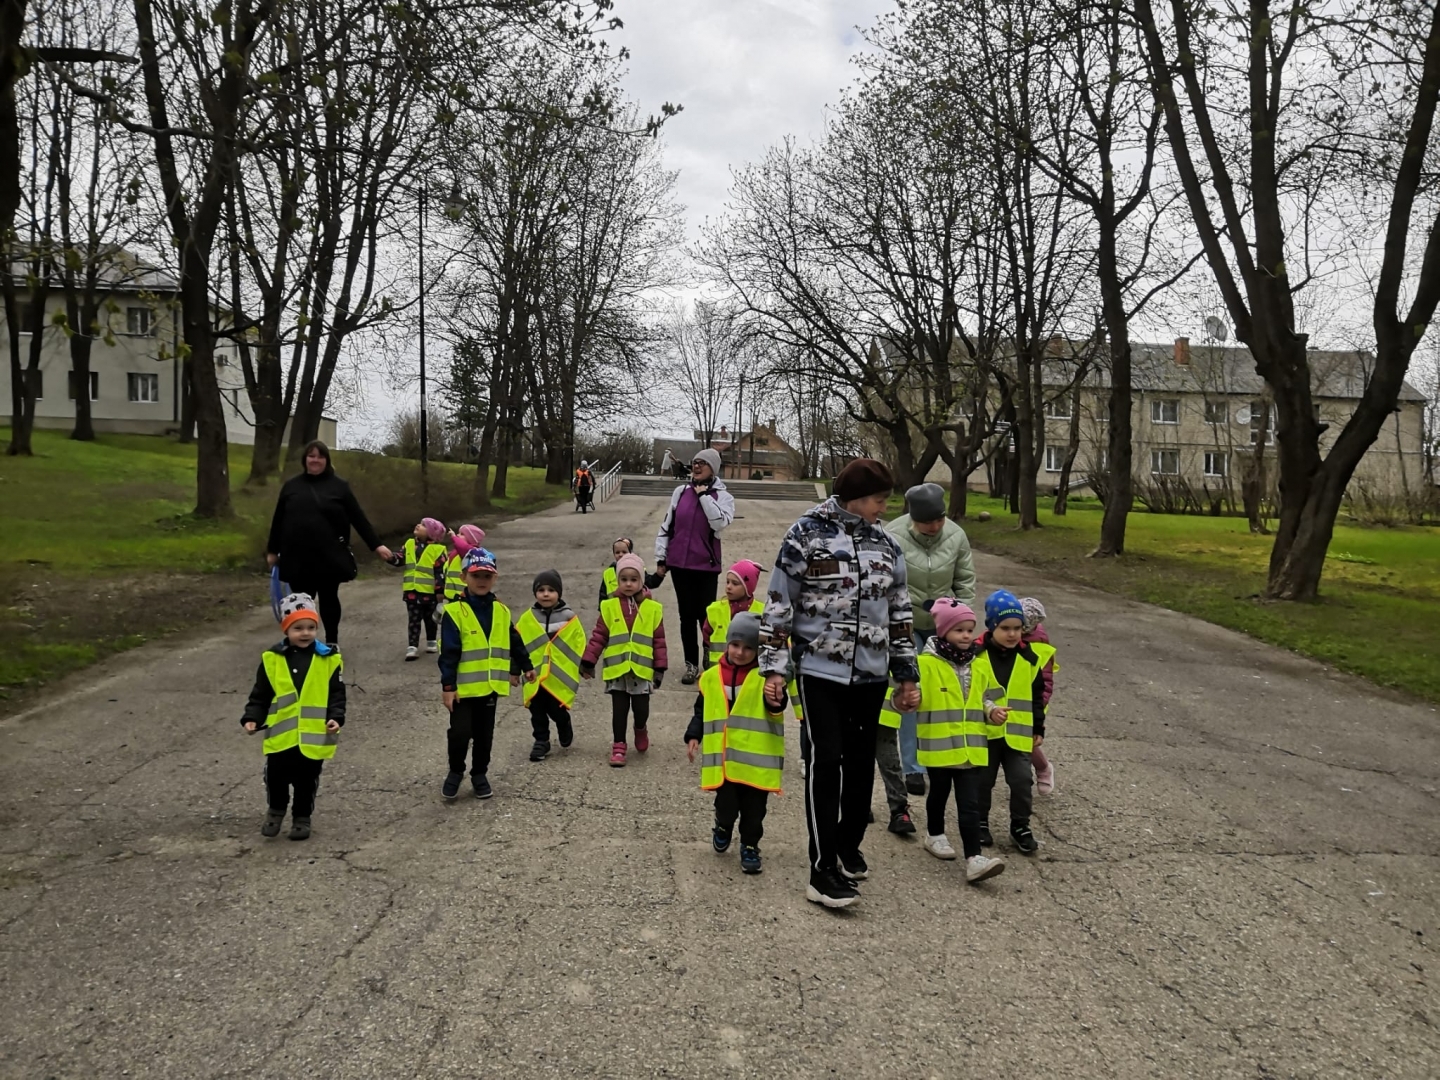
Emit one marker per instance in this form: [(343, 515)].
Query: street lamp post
[(424, 409)]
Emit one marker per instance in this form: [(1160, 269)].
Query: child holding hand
[(741, 581), (610, 581), (298, 700), (740, 736), (423, 558), (629, 643)]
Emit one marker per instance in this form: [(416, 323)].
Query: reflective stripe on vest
[(484, 664), (744, 742), (1018, 730), (718, 615), (420, 568), (950, 729), (555, 657), (630, 649), (297, 718), (454, 580)]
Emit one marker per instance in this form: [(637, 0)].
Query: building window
[(1054, 458), (1059, 409), (1261, 413), (1165, 411), (144, 388), (94, 385), (139, 321), (1102, 408), (1215, 464), (1165, 462), (1217, 412)]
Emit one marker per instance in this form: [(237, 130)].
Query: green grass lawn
[(1379, 613), (101, 551)]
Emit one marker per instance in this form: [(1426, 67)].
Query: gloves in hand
[(659, 678)]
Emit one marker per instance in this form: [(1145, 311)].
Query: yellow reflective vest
[(454, 579), (950, 724), (718, 615), (743, 742), (484, 663), (611, 582), (556, 657), (420, 567), (1018, 730), (297, 718), (630, 649)]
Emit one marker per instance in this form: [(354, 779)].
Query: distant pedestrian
[(555, 641), (670, 464), (628, 644), (938, 563), (837, 594), (423, 586), (1015, 720), (310, 535), (741, 741), (481, 657), (298, 700), (687, 547)]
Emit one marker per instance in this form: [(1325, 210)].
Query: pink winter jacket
[(600, 636)]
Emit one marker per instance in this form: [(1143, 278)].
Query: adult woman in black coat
[(310, 535)]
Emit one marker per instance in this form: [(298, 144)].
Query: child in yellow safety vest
[(423, 586), (481, 657), (298, 700), (629, 643), (741, 581), (461, 541), (1013, 673), (555, 640), (951, 735), (609, 580), (741, 741)]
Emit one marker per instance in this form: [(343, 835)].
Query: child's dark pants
[(742, 801), (1019, 776), (544, 708), (292, 768), (472, 720), (420, 610), (967, 784), (620, 705)]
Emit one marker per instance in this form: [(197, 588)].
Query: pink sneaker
[(1045, 779), (642, 740), (617, 755)]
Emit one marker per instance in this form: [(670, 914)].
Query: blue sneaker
[(720, 840), (750, 858)]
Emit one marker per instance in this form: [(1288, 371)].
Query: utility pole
[(424, 412)]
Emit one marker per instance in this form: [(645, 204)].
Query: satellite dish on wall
[(1215, 328)]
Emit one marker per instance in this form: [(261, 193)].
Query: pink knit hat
[(950, 613), (434, 528), (749, 573), (469, 536), (630, 562)]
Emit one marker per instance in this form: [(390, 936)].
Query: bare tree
[(704, 360)]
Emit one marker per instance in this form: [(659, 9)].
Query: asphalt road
[(1238, 877)]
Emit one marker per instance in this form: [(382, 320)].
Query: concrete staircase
[(777, 490)]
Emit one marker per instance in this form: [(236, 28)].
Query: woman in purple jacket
[(688, 546)]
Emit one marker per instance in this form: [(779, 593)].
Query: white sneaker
[(939, 846), (411, 652), (431, 647), (802, 768), (979, 867)]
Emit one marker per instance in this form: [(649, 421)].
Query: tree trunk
[(80, 345), (1297, 576), (267, 400), (1072, 450), (187, 403), (1025, 465), (12, 66), (22, 399)]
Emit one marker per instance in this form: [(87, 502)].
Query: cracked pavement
[(1238, 876)]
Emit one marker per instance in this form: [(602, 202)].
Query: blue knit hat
[(479, 559), (1000, 605)]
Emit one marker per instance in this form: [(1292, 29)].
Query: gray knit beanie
[(926, 503), (744, 630), (711, 457)]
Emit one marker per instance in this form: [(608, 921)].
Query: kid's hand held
[(514, 680), (775, 690), (1039, 741), (449, 698), (587, 673), (998, 715), (250, 725), (907, 697), (532, 675), (332, 726), (691, 748)]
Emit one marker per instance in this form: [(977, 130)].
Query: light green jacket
[(935, 566)]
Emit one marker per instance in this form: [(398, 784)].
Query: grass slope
[(101, 552), (1378, 616)]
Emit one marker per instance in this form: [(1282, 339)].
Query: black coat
[(313, 516)]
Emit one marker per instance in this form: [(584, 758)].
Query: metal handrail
[(609, 484)]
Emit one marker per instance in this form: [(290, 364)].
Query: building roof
[(122, 270)]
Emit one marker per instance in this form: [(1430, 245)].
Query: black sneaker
[(750, 858), (691, 674), (901, 824), (853, 867), (986, 840), (300, 828), (1024, 839), (481, 786), (915, 783), (566, 731), (272, 824), (451, 787), (831, 890), (720, 840), (540, 751)]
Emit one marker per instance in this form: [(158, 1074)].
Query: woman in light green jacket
[(937, 563)]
